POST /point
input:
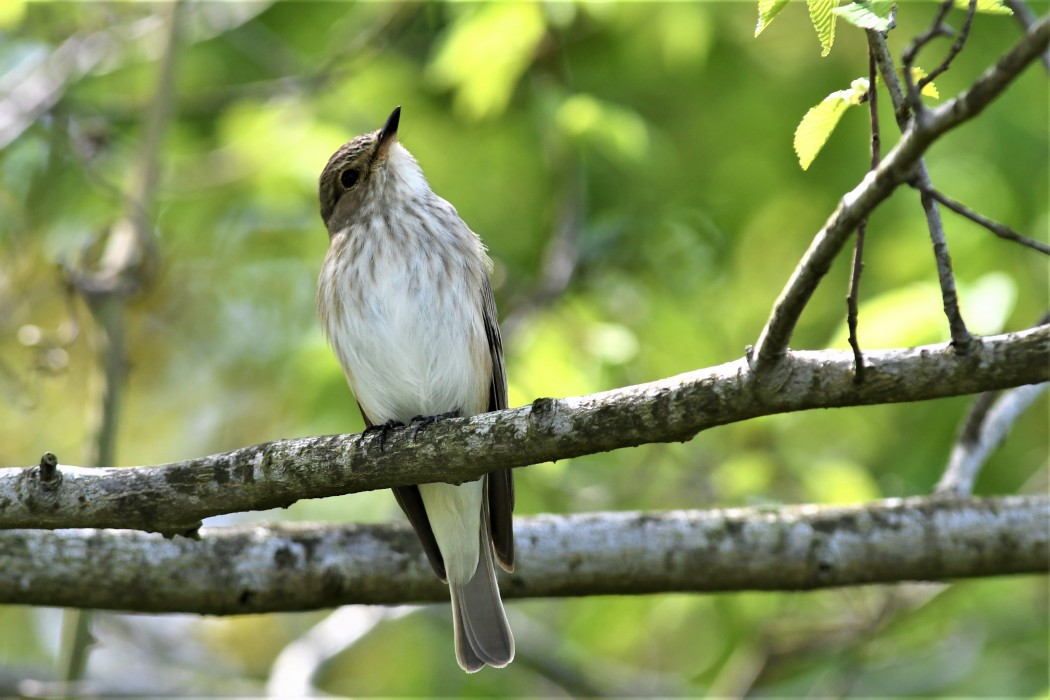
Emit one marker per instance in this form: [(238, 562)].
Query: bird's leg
[(383, 429), (420, 422)]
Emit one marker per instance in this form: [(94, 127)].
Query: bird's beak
[(388, 134)]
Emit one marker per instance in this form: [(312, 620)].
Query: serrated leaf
[(823, 19), (874, 14), (991, 7), (929, 89), (767, 10), (815, 128)]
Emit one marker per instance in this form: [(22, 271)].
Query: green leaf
[(484, 54), (867, 15), (767, 10), (815, 128), (822, 15), (991, 7)]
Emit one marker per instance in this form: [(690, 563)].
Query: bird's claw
[(420, 422), (383, 429)]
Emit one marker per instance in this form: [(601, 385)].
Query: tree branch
[(306, 566), (897, 167), (173, 498), (984, 430), (938, 28), (1000, 230), (1026, 18)]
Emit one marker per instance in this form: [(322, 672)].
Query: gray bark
[(301, 567)]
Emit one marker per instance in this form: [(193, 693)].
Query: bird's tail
[(482, 633)]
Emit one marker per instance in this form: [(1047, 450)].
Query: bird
[(405, 301)]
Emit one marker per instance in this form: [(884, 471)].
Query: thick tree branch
[(898, 167), (302, 567), (173, 498)]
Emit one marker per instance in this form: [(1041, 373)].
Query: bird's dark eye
[(349, 177)]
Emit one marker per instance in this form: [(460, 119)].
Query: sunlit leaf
[(991, 7), (822, 15), (767, 10), (486, 52), (815, 128), (12, 12), (867, 15), (929, 89)]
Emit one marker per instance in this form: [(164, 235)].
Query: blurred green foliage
[(647, 144)]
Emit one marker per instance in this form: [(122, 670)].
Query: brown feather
[(500, 484)]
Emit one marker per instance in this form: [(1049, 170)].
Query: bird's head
[(367, 170)]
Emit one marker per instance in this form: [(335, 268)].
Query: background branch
[(127, 264), (173, 498), (985, 428)]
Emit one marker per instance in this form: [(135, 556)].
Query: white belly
[(409, 346)]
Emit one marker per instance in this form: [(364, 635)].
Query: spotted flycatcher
[(405, 300)]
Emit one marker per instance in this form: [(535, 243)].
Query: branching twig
[(857, 265), (961, 336), (899, 166), (995, 227), (956, 47), (309, 566), (126, 265), (962, 339), (937, 29), (175, 497)]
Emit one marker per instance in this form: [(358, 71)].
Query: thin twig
[(1000, 230), (899, 166), (956, 47), (937, 29), (858, 248), (962, 339)]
